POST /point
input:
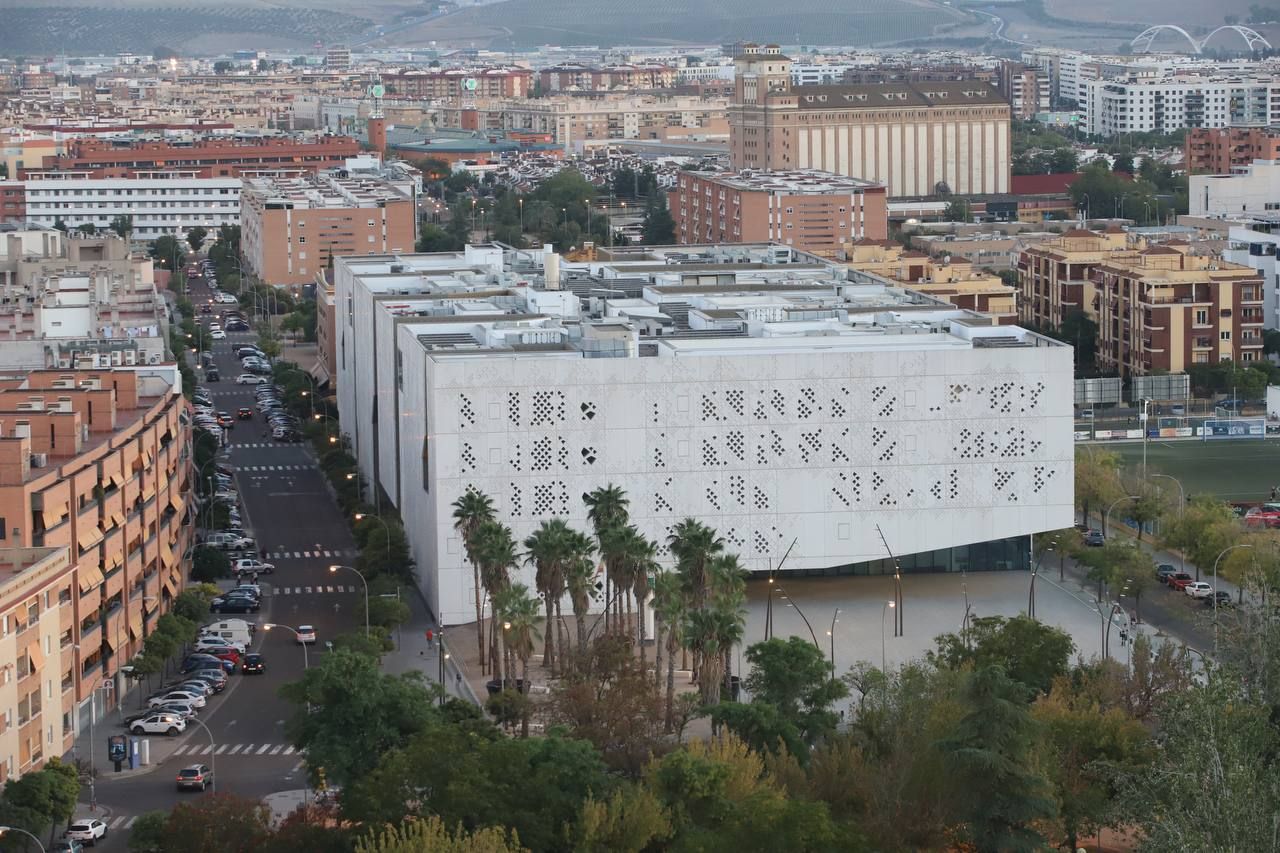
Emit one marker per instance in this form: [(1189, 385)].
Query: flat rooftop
[(790, 182)]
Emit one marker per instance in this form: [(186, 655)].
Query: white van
[(235, 631)]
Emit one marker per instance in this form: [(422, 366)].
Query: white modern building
[(770, 395), (1170, 103), (170, 202), (1255, 245), (1250, 189)]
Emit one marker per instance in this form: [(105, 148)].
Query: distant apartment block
[(337, 58), (1173, 103), (1162, 309), (206, 157), (1220, 150), (94, 474), (952, 279), (587, 78), (1056, 277), (65, 301), (455, 83), (291, 229), (168, 202), (916, 138), (13, 201), (1245, 190), (811, 211), (1026, 88), (568, 119)]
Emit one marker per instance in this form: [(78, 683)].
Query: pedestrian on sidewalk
[(430, 639)]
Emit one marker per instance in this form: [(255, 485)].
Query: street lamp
[(791, 603), (1107, 515), (5, 829), (333, 570), (305, 663), (835, 617), (883, 660), (361, 516), (1035, 570), (1215, 592)]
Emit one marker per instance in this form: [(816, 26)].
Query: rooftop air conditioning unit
[(39, 460)]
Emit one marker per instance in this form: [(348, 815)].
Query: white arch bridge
[(1142, 44)]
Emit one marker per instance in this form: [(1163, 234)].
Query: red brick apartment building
[(1218, 150), (813, 211), (213, 157)]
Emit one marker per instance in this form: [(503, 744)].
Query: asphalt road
[(289, 510)]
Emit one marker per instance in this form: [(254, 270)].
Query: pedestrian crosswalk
[(251, 445), (253, 468), (311, 590), (195, 750), (311, 555)]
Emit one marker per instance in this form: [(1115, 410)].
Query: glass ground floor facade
[(999, 555)]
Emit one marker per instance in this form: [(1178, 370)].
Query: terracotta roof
[(1176, 241), (1159, 250), (1079, 232), (1053, 184), (1114, 229)]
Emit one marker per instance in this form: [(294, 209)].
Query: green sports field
[(1243, 470)]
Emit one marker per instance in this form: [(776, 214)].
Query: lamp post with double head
[(888, 605), (5, 830)]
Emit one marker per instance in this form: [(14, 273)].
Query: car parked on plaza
[(1180, 580), (1094, 539), (1164, 571), (162, 723)]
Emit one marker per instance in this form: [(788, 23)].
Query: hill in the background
[(609, 22), (32, 28)]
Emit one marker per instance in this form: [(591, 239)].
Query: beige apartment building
[(291, 228), (811, 211), (1162, 309), (918, 138), (569, 119), (953, 279), (94, 474), (1056, 277)]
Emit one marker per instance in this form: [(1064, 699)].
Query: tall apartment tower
[(759, 73)]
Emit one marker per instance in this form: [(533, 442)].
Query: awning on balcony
[(88, 578), (87, 536), (35, 656), (135, 626)]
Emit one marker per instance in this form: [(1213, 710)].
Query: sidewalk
[(414, 654)]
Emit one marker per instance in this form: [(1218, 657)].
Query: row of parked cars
[(1184, 582), (284, 425)]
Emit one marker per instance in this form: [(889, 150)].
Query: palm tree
[(519, 610), (547, 549), (607, 509), (469, 511), (670, 604), (704, 627), (643, 559), (495, 552), (728, 589), (694, 544), (616, 546), (579, 579)]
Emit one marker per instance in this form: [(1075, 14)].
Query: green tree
[(792, 693), (1081, 331), (957, 210), (1202, 531), (659, 227), (209, 564), (1063, 160), (1026, 651), (1123, 163), (631, 820), (1085, 745), (168, 251), (196, 237), (60, 224), (1000, 796), (348, 714), (1097, 475), (88, 229), (123, 226), (471, 510), (148, 833), (433, 238), (429, 835), (519, 610), (548, 548)]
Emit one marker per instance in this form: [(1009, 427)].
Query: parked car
[(228, 604), (1094, 538), (254, 663), (1179, 580), (218, 335), (1164, 571), (250, 379), (66, 846), (197, 777), (1220, 598), (252, 589), (213, 645), (182, 709), (1198, 589), (198, 662), (195, 700), (165, 723), (88, 830)]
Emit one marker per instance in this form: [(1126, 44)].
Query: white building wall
[(1253, 190), (158, 205), (939, 448), (1257, 249)]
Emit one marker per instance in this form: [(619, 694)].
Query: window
[(1224, 336), (1202, 316)]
